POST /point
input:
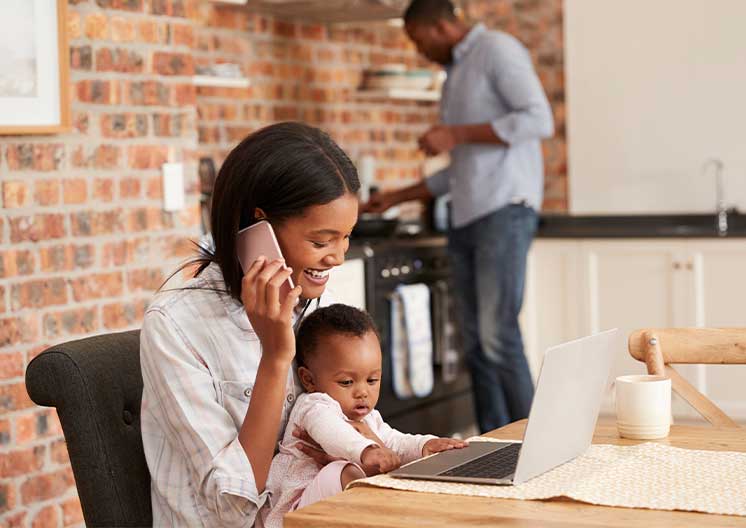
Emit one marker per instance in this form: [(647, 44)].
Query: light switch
[(173, 186)]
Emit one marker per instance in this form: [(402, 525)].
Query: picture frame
[(34, 67)]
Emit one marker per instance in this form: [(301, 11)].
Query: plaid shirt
[(199, 358)]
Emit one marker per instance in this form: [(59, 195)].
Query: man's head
[(338, 353), (434, 28)]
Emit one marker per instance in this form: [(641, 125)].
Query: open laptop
[(560, 427)]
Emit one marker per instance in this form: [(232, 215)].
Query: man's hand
[(439, 139), (436, 445), (377, 460), (379, 202)]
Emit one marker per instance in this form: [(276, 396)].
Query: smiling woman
[(216, 353)]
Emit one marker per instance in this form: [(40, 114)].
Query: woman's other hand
[(271, 319), (376, 459), (436, 445)]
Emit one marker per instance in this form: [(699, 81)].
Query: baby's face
[(349, 370)]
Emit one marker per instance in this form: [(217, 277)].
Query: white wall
[(654, 88)]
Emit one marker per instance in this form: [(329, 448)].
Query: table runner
[(649, 475)]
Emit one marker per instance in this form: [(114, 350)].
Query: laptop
[(571, 385)]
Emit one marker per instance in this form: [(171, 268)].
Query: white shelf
[(221, 82), (398, 93)]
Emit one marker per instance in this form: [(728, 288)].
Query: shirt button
[(247, 392), (290, 398)]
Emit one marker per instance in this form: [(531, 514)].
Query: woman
[(216, 354)]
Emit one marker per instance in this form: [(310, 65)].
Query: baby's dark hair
[(329, 320)]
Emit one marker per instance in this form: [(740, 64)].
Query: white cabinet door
[(631, 284), (717, 268), (551, 306)]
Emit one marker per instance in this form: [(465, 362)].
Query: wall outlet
[(173, 186)]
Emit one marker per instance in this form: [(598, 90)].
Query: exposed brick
[(78, 321), (15, 520), (75, 191), (146, 156), (153, 32), (7, 500), (103, 189), (66, 257), (13, 396), (97, 286), (46, 517), (172, 125), (47, 486), (21, 461), (122, 29), (174, 8), (81, 121), (5, 437), (72, 514), (73, 25), (47, 192), (15, 194), (58, 452), (37, 425), (96, 26), (11, 366), (97, 91), (99, 157), (16, 262), (81, 58), (127, 5), (38, 293), (147, 219), (37, 227), (173, 63), (183, 35), (126, 125), (35, 156), (94, 223), (145, 279), (119, 60), (129, 188), (123, 314), (185, 95), (147, 93)]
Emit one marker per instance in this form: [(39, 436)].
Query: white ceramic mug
[(643, 406)]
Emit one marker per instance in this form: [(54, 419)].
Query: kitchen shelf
[(400, 93), (221, 82)]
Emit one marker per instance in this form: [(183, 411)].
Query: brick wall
[(83, 238)]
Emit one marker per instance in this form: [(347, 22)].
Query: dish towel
[(445, 353), (412, 346)]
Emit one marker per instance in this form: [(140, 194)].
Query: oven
[(449, 408)]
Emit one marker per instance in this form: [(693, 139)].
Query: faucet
[(721, 209)]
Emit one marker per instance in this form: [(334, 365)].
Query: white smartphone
[(257, 240)]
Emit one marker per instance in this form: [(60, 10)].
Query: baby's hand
[(436, 445), (379, 460)]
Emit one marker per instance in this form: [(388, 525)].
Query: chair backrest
[(96, 386), (658, 348)]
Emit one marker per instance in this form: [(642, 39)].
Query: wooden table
[(386, 508)]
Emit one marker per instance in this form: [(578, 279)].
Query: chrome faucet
[(721, 209)]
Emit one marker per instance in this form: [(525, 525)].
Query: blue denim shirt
[(492, 80)]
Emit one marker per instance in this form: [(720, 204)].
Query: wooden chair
[(658, 348)]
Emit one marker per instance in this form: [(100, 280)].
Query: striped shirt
[(492, 79), (199, 358)]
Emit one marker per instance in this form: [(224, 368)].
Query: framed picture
[(34, 67)]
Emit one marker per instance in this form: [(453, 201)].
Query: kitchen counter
[(639, 226)]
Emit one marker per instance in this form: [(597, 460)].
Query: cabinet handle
[(677, 265), (689, 266)]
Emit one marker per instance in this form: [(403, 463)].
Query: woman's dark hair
[(330, 320), (283, 169), (429, 11)]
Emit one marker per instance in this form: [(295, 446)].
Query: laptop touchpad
[(451, 458)]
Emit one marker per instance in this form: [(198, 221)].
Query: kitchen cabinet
[(581, 286)]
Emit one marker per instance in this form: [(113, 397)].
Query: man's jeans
[(488, 263)]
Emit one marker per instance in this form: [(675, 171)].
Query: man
[(494, 114)]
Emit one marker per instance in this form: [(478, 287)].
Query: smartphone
[(257, 240)]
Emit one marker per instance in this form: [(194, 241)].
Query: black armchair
[(96, 386)]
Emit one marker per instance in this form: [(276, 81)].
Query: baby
[(339, 358)]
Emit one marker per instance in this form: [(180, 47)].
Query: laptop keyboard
[(497, 464)]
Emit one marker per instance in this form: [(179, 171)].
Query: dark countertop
[(639, 226), (618, 226)]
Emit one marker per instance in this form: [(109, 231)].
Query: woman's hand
[(436, 445), (377, 460), (271, 320)]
